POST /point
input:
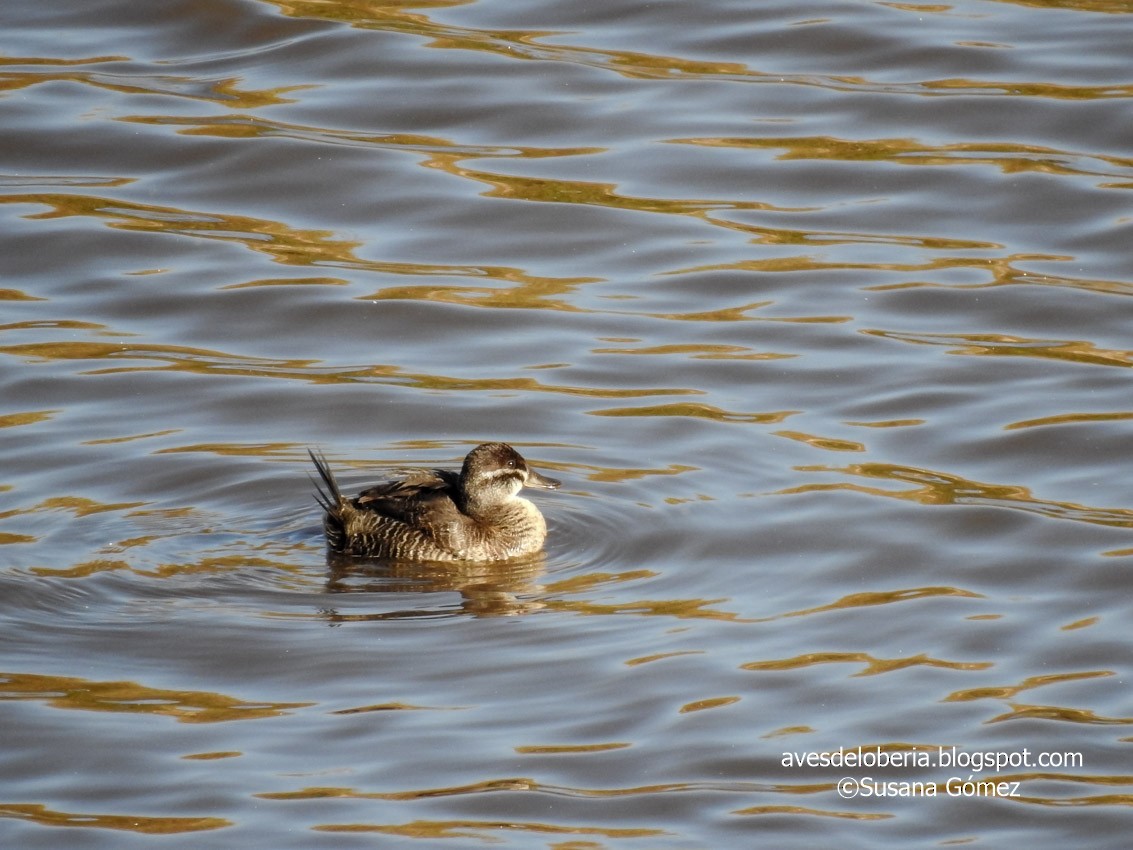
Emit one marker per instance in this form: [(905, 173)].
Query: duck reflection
[(487, 589)]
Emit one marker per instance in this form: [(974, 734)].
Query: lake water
[(820, 311)]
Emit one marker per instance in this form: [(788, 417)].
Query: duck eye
[(511, 464)]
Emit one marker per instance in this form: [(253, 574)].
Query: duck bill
[(534, 479)]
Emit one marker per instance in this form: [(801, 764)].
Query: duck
[(438, 514)]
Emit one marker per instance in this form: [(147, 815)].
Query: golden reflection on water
[(681, 609), (526, 45), (210, 565), (83, 569), (887, 423), (1008, 158), (561, 749), (940, 488), (131, 437), (201, 361), (587, 193), (505, 588), (873, 666), (283, 244), (740, 314), (1113, 7), (14, 420), (304, 247), (529, 293), (131, 698), (621, 474), (1084, 623), (698, 411), (705, 704), (789, 730), (802, 810), (511, 588), (699, 608), (661, 656), (596, 580), (490, 786), (512, 44), (287, 281), (826, 443), (699, 351), (300, 247), (1073, 779), (1068, 419), (448, 156), (254, 126), (1022, 711), (1002, 272), (521, 784), (436, 829), (78, 506), (1010, 691), (89, 60), (1006, 345), (868, 599), (1118, 553), (17, 295), (44, 816), (395, 706), (164, 524), (993, 271), (998, 271), (288, 451), (1056, 91), (126, 80)]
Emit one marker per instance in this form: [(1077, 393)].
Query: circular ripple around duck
[(586, 533)]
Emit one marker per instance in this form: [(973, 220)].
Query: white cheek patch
[(505, 474), (508, 481)]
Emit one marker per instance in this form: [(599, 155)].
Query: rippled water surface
[(821, 312)]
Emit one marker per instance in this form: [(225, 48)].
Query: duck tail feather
[(331, 497)]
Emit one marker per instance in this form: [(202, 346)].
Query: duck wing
[(422, 497)]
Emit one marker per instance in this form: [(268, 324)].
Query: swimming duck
[(437, 514)]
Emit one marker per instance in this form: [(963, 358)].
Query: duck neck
[(479, 507)]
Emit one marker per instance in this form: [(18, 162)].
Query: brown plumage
[(439, 515)]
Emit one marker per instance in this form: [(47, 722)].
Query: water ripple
[(932, 487), (672, 251)]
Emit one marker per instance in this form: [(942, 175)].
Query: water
[(819, 312)]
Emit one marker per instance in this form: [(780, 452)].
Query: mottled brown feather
[(439, 515)]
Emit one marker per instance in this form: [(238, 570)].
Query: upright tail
[(330, 499)]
